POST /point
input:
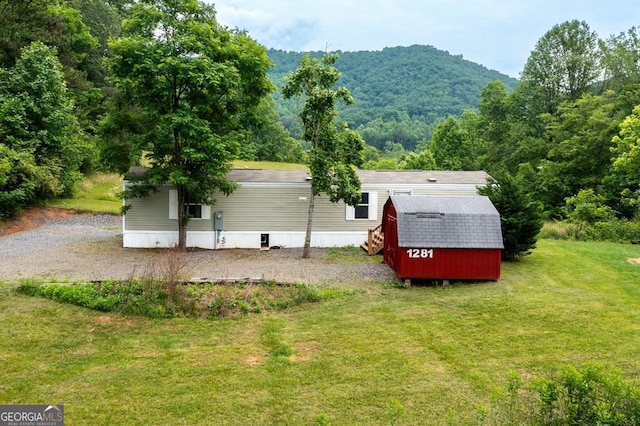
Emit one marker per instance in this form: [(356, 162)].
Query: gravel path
[(85, 246)]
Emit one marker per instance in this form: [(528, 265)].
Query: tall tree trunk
[(182, 220), (306, 253)]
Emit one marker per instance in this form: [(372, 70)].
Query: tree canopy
[(188, 79), (334, 149), (41, 148)]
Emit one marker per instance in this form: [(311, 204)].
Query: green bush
[(81, 295), (588, 395), (585, 395), (28, 288), (614, 230), (520, 216), (163, 299), (588, 207)]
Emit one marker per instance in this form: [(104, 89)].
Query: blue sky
[(499, 34)]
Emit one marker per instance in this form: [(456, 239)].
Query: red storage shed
[(442, 238)]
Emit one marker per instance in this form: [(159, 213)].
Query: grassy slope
[(98, 193), (431, 349)]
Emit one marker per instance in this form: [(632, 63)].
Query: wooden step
[(375, 241)]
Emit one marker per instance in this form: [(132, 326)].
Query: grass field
[(98, 193), (374, 357)]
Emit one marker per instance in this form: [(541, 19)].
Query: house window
[(366, 210), (362, 211), (195, 211)]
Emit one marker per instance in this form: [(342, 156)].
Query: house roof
[(447, 222), (366, 176), (413, 177)]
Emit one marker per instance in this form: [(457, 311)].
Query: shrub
[(520, 216), (153, 298), (614, 230), (80, 295), (585, 395), (588, 207)]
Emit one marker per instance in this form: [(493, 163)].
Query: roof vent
[(429, 215)]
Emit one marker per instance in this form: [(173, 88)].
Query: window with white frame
[(366, 210), (194, 210)]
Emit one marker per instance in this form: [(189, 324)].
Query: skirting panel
[(209, 240)]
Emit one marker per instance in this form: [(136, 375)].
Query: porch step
[(375, 241)]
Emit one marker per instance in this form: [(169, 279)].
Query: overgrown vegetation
[(159, 299), (588, 394), (614, 230), (162, 292)]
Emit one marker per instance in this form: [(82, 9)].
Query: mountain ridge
[(414, 83)]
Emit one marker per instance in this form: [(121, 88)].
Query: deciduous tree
[(579, 135), (189, 79), (626, 163), (334, 149), (418, 161), (621, 55), (564, 63), (41, 148), (451, 146)]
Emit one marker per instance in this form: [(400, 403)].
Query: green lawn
[(349, 360), (97, 193)]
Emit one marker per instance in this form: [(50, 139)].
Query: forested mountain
[(568, 131), (400, 93)]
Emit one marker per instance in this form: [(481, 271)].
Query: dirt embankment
[(31, 218)]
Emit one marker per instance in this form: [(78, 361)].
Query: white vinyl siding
[(372, 204)]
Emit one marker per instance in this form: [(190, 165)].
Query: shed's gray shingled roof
[(447, 222)]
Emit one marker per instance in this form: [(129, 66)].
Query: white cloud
[(499, 34)]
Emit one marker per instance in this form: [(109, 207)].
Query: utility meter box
[(218, 221)]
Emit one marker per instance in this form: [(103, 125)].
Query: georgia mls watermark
[(31, 415)]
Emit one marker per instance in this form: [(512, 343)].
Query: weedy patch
[(162, 292), (350, 254), (164, 299)]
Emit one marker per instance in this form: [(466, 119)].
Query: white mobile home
[(270, 208)]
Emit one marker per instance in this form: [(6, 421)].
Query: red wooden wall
[(447, 263), (436, 263)]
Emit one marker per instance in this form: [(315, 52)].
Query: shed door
[(391, 240)]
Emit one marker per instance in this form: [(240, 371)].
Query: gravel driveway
[(89, 247)]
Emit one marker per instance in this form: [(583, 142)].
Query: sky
[(499, 34)]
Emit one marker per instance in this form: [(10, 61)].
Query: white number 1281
[(420, 253)]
